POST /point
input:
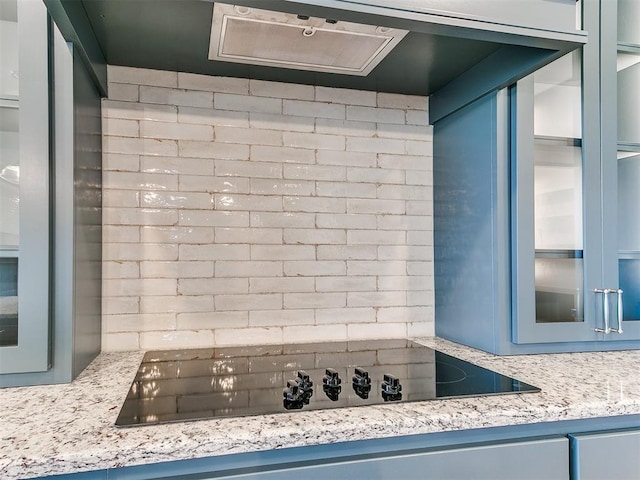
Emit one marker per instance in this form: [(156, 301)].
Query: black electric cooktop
[(179, 385)]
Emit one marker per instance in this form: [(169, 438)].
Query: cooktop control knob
[(293, 396), (331, 384), (391, 388), (361, 383), (304, 381)]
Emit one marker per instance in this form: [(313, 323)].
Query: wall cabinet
[(50, 194), (544, 251)]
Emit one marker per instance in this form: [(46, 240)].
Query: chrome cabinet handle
[(620, 313), (605, 310)]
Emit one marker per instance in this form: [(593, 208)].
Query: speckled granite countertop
[(58, 429)]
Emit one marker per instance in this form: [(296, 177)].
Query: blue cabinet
[(536, 232), (615, 454)]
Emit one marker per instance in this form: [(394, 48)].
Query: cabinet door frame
[(33, 351)]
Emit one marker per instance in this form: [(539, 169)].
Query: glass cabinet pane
[(9, 174), (628, 21), (24, 187), (558, 212)]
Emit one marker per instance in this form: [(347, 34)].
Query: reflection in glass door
[(9, 174), (558, 180)]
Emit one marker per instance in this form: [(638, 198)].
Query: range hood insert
[(275, 39)]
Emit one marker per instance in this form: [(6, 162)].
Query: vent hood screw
[(303, 17), (309, 32)]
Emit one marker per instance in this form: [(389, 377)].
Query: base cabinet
[(596, 456), (510, 461)]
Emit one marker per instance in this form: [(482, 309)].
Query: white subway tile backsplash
[(120, 342), (346, 252), (249, 302), (346, 190), (289, 123), (174, 96), (120, 305), (249, 336), (121, 198), (375, 145), (376, 299), (139, 322), (139, 216), (314, 236), (315, 300), (121, 128), (216, 151), (120, 234), (380, 115), (280, 318), (246, 103), (141, 76), (260, 186), (249, 235), (211, 184), (384, 267), (244, 211), (175, 131), (259, 203), (404, 102), (224, 168), (140, 146), (225, 268), (375, 175), (174, 269), (139, 111), (248, 136), (212, 320), (176, 339), (312, 268), (120, 162), (138, 252), (205, 218), (345, 315), (313, 109), (176, 304), (294, 91), (281, 285), (176, 165), (193, 200), (345, 96), (346, 284), (214, 252), (120, 270), (370, 331), (345, 127), (282, 252), (208, 116), (346, 220), (260, 153), (375, 206), (212, 286), (123, 91), (417, 117), (356, 159), (192, 81), (282, 220), (314, 141)]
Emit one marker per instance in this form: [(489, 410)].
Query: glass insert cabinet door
[(24, 187), (549, 285), (628, 162)]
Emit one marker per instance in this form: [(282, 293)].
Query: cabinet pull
[(620, 312), (605, 310)]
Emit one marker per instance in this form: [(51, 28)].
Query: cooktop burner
[(178, 385)]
